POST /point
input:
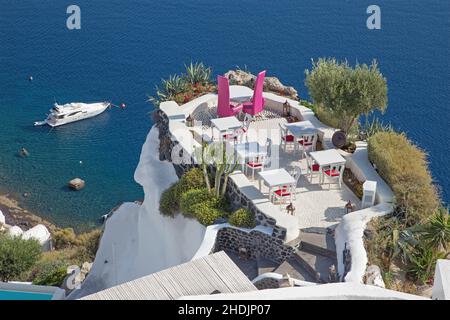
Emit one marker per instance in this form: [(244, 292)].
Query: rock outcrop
[(15, 231), (272, 84), (41, 234), (373, 276)]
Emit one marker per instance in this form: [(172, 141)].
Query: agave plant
[(169, 89), (437, 231), (197, 73), (370, 128), (422, 261)]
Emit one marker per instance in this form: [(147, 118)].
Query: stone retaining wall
[(256, 243), (267, 283), (239, 200)]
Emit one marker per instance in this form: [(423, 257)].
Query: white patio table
[(225, 125), (275, 178), (240, 94), (301, 128), (327, 158), (298, 129)]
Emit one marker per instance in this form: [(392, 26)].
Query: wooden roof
[(198, 277)]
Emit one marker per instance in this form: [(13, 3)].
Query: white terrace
[(317, 206)]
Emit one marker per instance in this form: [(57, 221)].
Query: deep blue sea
[(124, 48)]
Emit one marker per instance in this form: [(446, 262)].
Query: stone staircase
[(314, 254)]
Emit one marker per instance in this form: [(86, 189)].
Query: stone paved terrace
[(316, 205)]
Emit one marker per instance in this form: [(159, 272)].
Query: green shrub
[(309, 105), (50, 273), (327, 117), (169, 202), (404, 167), (203, 206), (17, 256), (192, 198), (64, 238), (88, 243), (192, 179), (372, 127), (206, 213), (243, 218)]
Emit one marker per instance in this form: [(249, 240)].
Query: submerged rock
[(77, 184)]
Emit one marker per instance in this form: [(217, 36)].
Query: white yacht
[(70, 112)]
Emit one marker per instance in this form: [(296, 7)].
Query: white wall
[(138, 240), (441, 286)]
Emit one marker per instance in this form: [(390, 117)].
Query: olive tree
[(346, 92), (17, 256)]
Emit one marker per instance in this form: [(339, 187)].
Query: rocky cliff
[(271, 84)]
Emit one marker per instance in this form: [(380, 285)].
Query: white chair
[(238, 134), (268, 152), (311, 167), (286, 138), (257, 163), (334, 172), (307, 143), (246, 123), (288, 192), (232, 136)]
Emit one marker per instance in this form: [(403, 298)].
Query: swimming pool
[(22, 295)]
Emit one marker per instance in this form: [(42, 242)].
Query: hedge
[(17, 256), (243, 218), (192, 179), (169, 204), (206, 213), (192, 198), (405, 169), (51, 273), (203, 206), (169, 201)]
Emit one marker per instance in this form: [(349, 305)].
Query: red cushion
[(282, 193), (228, 136), (288, 138), (315, 167), (244, 129), (332, 173), (303, 143), (254, 164)]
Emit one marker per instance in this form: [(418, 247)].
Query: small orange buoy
[(123, 105)]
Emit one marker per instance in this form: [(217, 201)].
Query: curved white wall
[(138, 240)]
